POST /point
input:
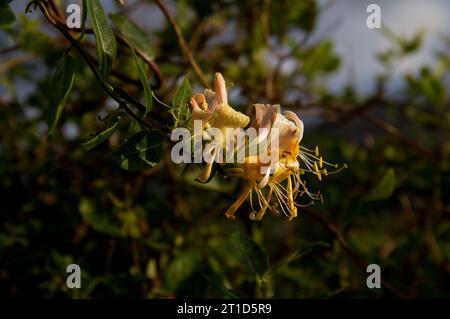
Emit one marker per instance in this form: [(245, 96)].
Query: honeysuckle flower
[(290, 127), (213, 111), (282, 179), (289, 131), (290, 134), (272, 185), (282, 185)]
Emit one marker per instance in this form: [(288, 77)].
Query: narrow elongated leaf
[(384, 188), (140, 151), (102, 136), (7, 17), (144, 81), (250, 254), (133, 34), (105, 40), (181, 99), (61, 86)]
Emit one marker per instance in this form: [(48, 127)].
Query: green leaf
[(303, 15), (134, 127), (61, 86), (181, 100), (320, 59), (383, 189), (102, 136), (98, 220), (133, 34), (181, 269), (144, 81), (140, 151), (7, 17), (409, 46), (250, 254), (105, 40)]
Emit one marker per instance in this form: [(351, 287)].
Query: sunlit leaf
[(61, 86), (384, 188), (102, 136), (105, 40), (181, 100), (134, 127), (144, 81), (140, 151)]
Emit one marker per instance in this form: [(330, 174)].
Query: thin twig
[(199, 32), (392, 130), (9, 49), (12, 63), (183, 44)]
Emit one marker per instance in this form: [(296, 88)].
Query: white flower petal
[(220, 89)]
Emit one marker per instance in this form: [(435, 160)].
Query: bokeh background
[(377, 100)]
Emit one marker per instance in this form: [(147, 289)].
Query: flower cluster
[(271, 186)]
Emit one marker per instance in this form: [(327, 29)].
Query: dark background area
[(380, 106)]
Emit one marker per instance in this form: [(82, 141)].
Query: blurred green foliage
[(97, 196)]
